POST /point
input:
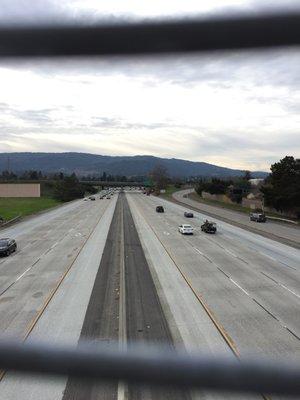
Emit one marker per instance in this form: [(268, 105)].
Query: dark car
[(209, 227), (258, 217), (7, 246), (189, 214), (160, 209)]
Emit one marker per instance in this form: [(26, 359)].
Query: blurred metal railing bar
[(269, 30), (159, 367)]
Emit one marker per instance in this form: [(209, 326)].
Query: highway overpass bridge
[(103, 184)]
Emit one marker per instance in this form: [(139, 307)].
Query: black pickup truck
[(209, 227)]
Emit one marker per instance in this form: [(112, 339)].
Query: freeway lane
[(254, 310), (48, 245), (62, 320), (288, 234), (32, 222)]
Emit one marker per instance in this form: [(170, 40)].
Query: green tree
[(282, 187), (159, 176), (68, 189), (33, 175), (89, 188), (215, 186), (247, 176), (104, 177)]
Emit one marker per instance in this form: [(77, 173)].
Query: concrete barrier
[(289, 221)]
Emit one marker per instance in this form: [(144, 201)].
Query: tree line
[(280, 190)]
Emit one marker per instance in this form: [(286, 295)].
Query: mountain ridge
[(92, 164)]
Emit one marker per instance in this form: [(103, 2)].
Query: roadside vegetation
[(170, 189), (236, 207), (53, 193), (279, 193), (11, 207), (282, 187)]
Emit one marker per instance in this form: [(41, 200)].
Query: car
[(160, 209), (258, 217), (209, 227), (188, 214), (108, 197), (186, 229), (7, 246), (93, 198), (85, 199)]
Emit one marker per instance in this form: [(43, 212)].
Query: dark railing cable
[(159, 367), (186, 36), (136, 366)]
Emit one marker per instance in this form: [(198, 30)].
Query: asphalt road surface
[(251, 285), (116, 271), (282, 232)]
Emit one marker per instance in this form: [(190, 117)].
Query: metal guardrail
[(10, 221), (163, 37), (157, 366)]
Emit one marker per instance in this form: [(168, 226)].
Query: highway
[(115, 271), (282, 232)]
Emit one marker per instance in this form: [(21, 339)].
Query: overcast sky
[(238, 110)]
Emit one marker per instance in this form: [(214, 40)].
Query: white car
[(186, 229)]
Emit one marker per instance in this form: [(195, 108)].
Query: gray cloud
[(121, 124), (55, 11), (41, 116)]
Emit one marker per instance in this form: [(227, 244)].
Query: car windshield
[(4, 242)]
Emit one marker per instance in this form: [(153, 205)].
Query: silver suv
[(258, 217)]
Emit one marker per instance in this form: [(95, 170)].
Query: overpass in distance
[(103, 184)]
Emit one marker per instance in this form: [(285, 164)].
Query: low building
[(20, 190)]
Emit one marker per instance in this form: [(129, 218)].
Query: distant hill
[(89, 164)]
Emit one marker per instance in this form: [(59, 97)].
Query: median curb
[(288, 221)]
